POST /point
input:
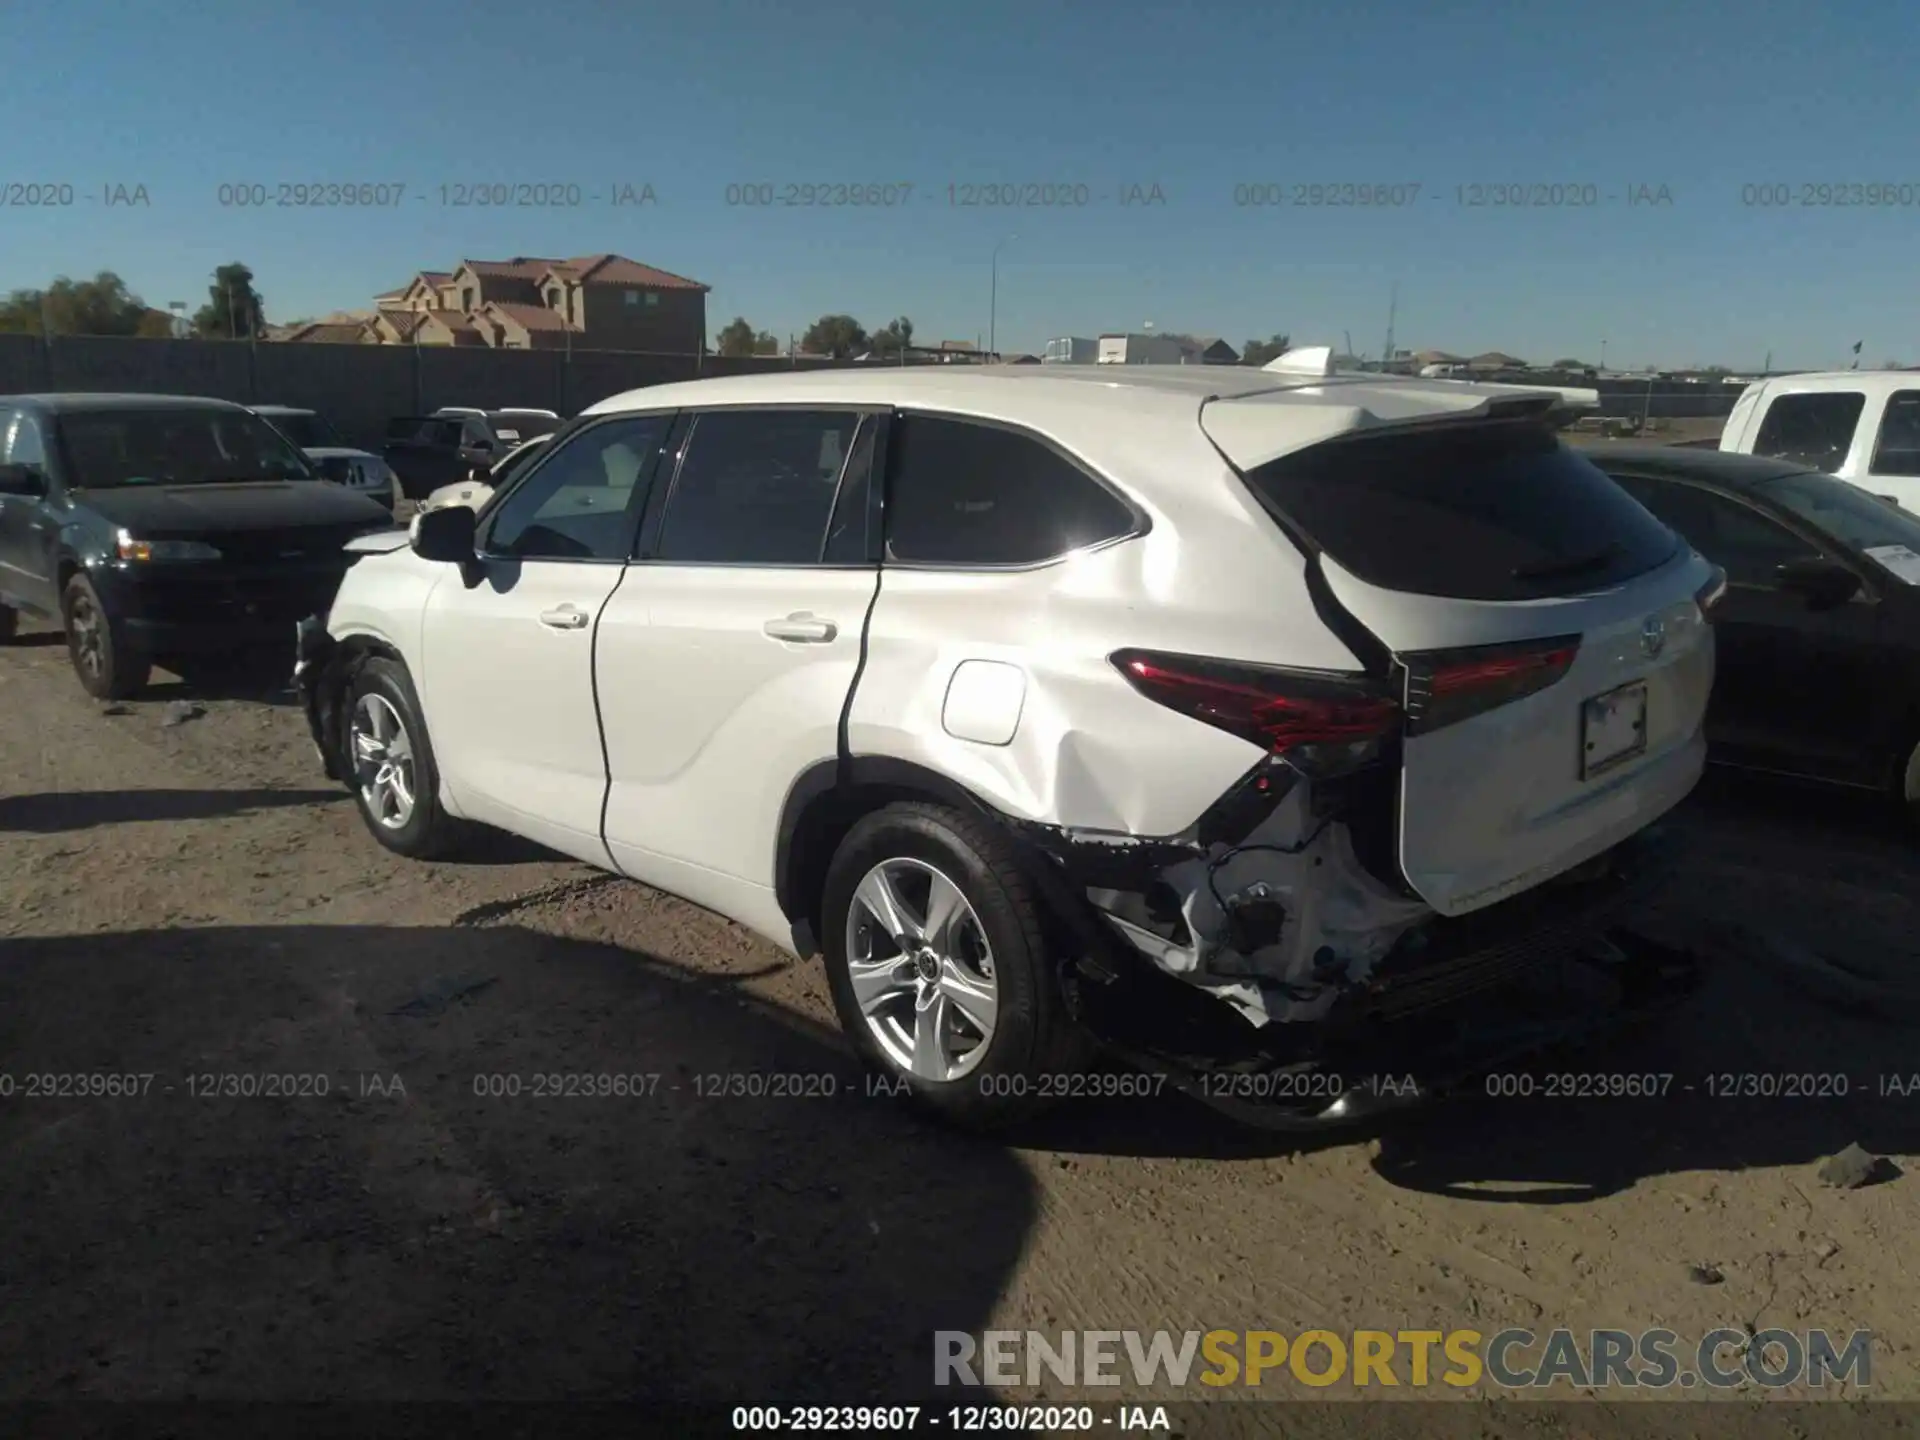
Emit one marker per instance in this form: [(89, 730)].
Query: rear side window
[(1897, 451), (756, 487), (967, 494), (1483, 512), (1813, 429)]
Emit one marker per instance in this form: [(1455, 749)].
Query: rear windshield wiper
[(1574, 565)]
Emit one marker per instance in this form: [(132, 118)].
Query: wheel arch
[(827, 801)]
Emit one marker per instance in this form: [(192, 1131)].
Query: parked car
[(430, 451), (1861, 425), (157, 527), (336, 460), (478, 488), (1819, 631), (1232, 719)]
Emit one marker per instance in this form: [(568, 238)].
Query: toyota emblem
[(1653, 636)]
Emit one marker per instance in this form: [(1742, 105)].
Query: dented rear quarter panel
[(1213, 575)]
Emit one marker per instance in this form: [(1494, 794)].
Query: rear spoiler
[(1558, 404)]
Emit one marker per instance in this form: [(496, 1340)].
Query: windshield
[(307, 430), (105, 449), (512, 425), (1851, 515)]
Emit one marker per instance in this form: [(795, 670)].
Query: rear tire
[(109, 665), (389, 765), (968, 1012)]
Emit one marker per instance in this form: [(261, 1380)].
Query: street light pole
[(993, 300)]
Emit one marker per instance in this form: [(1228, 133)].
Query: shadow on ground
[(447, 1204), (62, 811)]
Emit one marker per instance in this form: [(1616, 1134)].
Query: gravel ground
[(190, 900)]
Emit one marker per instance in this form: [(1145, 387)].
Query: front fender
[(316, 679)]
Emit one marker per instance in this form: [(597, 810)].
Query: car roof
[(80, 401), (1723, 468), (1281, 412), (1867, 382), (283, 410)]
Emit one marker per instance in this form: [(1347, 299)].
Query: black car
[(161, 527), (1818, 633), (429, 451)]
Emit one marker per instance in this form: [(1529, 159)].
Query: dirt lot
[(190, 900)]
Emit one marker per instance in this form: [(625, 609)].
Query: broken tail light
[(1322, 724), (1445, 687)]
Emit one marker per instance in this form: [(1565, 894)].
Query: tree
[(897, 335), (1570, 364), (838, 336), (155, 325), (1261, 352), (736, 338), (234, 308), (100, 306)]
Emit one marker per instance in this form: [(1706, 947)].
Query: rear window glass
[(1811, 429), (1484, 512)]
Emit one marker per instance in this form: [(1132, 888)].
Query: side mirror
[(23, 480), (445, 535), (1823, 582)]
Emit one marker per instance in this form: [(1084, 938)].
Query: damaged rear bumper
[(1451, 1001)]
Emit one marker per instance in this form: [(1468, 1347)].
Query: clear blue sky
[(1196, 98)]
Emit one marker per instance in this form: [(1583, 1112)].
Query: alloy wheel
[(922, 970), (382, 760), (86, 633)]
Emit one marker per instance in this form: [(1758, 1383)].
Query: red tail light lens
[(1445, 687), (1322, 724)]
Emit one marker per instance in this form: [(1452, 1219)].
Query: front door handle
[(802, 628), (566, 617)]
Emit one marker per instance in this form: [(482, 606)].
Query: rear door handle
[(566, 617), (802, 629)]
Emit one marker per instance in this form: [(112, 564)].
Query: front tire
[(109, 665), (389, 764), (941, 974), (9, 623)]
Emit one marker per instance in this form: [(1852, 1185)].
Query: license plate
[(1613, 728)]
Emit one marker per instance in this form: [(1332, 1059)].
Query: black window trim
[(660, 500), (1142, 522), (1826, 546), (649, 471)]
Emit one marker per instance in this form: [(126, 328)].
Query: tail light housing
[(1711, 593), (1322, 724), (1444, 687)]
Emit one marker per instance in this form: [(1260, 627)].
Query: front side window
[(1747, 544), (967, 494), (26, 447), (757, 487), (584, 502), (106, 449), (1897, 450), (1813, 429)]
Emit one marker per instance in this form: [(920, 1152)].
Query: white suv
[(1193, 710)]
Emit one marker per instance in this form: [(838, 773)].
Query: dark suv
[(161, 527), (446, 447)]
